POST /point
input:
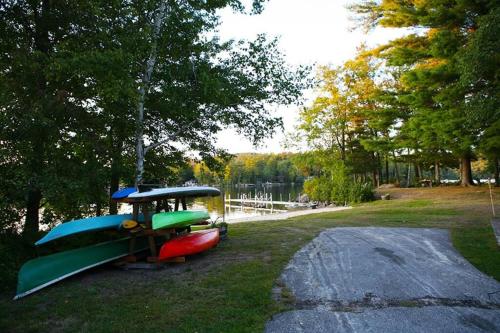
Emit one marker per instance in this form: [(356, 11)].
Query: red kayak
[(192, 243)]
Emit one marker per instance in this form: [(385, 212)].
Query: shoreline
[(287, 215)]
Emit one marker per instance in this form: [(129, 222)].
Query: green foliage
[(479, 65), (318, 188), (338, 186), (253, 168), (446, 78), (361, 192), (69, 83)]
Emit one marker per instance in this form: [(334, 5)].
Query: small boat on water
[(189, 244)]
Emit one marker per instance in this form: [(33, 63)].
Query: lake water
[(233, 210)]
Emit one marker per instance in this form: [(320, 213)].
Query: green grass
[(229, 289)]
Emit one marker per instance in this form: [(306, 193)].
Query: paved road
[(386, 280)]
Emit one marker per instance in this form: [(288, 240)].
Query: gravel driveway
[(386, 280)]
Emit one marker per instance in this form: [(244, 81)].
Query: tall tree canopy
[(432, 80), (75, 74)]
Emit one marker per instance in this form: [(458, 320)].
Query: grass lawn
[(229, 289)]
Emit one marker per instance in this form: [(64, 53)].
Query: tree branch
[(170, 137)]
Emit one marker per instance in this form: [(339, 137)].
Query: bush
[(318, 189), (361, 192), (338, 187)]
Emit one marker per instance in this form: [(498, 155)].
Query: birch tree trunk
[(143, 88)]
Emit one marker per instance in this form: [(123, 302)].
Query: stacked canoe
[(46, 270), (187, 244)]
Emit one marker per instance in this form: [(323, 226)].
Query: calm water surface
[(231, 211), (216, 209)]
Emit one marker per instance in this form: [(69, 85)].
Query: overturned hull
[(90, 224), (43, 271)]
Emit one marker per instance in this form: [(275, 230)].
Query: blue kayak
[(123, 193), (84, 225)]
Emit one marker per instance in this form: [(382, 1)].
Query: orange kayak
[(192, 243)]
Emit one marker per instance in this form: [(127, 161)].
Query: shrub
[(338, 187)]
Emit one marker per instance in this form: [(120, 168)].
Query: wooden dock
[(267, 202), (256, 208)]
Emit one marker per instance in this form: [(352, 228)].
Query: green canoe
[(178, 219), (43, 271)]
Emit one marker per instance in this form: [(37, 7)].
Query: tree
[(429, 61), (341, 120), (74, 77), (479, 66), (40, 104), (218, 84)]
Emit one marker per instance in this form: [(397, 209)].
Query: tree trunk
[(114, 183), (146, 79), (34, 197), (497, 172), (98, 208), (396, 169), (379, 170), (437, 173), (408, 175), (376, 181), (34, 194), (387, 169), (417, 171), (466, 171), (342, 150)]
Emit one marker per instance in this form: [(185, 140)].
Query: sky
[(311, 32)]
